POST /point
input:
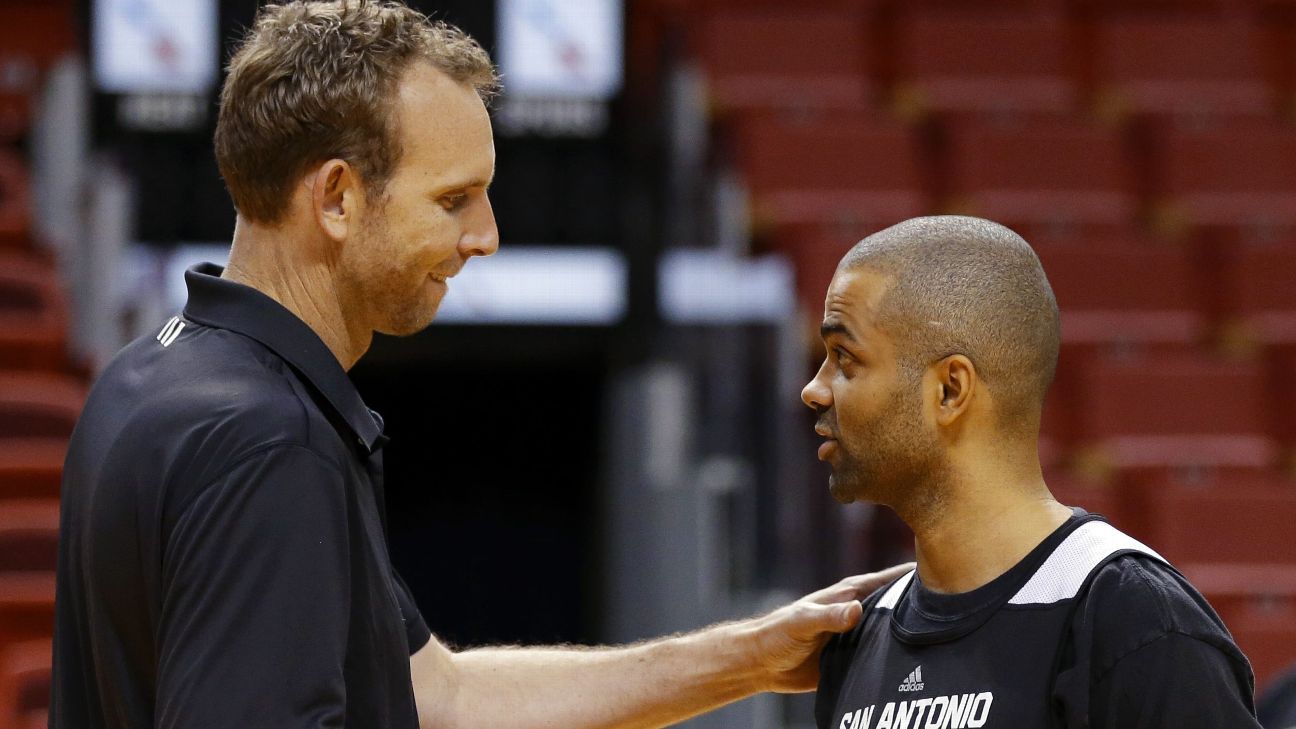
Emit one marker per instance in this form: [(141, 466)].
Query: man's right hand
[(787, 642)]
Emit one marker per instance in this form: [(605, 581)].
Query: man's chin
[(410, 324), (844, 493)]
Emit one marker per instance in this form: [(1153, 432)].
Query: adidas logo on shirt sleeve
[(169, 332)]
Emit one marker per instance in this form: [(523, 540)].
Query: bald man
[(942, 339)]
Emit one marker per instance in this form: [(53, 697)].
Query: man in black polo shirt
[(223, 561), (942, 338)]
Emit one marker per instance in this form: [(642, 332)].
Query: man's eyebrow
[(834, 326), (483, 183)]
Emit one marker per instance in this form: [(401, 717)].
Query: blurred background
[(601, 438)]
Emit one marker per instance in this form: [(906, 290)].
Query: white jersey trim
[(1066, 569), (892, 596)]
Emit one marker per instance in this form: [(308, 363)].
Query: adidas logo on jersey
[(913, 682)]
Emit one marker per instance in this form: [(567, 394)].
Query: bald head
[(968, 286)]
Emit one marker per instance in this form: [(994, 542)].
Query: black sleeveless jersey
[(1091, 629)]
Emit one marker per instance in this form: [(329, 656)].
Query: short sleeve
[(1175, 681), (416, 629), (1146, 651), (256, 598)]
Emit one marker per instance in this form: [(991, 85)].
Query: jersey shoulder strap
[(1065, 572), (1069, 571), (891, 597)]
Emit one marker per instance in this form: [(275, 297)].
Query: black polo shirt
[(223, 560)]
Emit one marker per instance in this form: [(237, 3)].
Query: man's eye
[(453, 202), (843, 357)]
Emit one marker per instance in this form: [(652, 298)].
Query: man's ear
[(957, 379), (335, 197)]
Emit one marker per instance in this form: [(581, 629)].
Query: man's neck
[(982, 532), (274, 264)]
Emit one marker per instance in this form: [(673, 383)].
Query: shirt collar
[(218, 302)]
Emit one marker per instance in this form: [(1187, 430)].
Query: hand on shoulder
[(785, 643)]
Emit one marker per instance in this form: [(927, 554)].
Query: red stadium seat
[(988, 5), (1041, 172), (829, 168), (33, 315), (1237, 175), (28, 551), (31, 467), (26, 606), (28, 535), (1259, 280), (685, 6), (1239, 591), (1180, 64), (1269, 643), (29, 538), (1175, 411), (1231, 536), (1085, 7), (33, 35), (40, 31), (1258, 604), (1092, 495), (814, 252), (978, 61), (25, 684), (15, 201), (39, 404), (1282, 362), (1124, 289), (1239, 519), (766, 57)]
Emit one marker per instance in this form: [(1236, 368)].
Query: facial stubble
[(892, 459), (400, 303)]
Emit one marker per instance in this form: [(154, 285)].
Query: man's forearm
[(650, 684)]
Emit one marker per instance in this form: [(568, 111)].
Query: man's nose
[(481, 234), (816, 394)]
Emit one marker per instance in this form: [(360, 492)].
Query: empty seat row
[(1115, 413), (1046, 173), (33, 36), (1129, 289), (25, 676), (31, 467), (1124, 288), (1080, 8), (819, 169), (969, 59), (28, 550), (33, 314), (1191, 517)]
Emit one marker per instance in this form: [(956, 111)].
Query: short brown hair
[(316, 80), (969, 286)]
